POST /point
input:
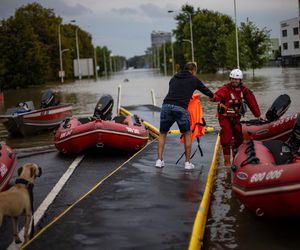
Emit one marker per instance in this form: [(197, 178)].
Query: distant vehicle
[(24, 119)]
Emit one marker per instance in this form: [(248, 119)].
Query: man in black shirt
[(174, 109)]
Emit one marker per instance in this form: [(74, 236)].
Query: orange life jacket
[(196, 115)]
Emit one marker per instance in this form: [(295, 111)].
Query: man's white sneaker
[(160, 163), (188, 165)]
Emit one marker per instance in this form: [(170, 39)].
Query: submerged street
[(229, 224)]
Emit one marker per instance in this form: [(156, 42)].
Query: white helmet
[(236, 74)]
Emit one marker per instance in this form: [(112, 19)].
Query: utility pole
[(105, 66), (95, 59), (236, 38), (191, 32), (77, 49), (173, 60), (165, 58), (61, 73)]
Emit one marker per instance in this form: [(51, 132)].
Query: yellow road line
[(200, 221), (80, 199)]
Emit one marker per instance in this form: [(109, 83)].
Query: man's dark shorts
[(171, 113)]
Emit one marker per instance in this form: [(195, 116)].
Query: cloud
[(60, 7), (152, 10), (125, 11)]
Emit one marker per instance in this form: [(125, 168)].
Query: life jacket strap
[(198, 147)]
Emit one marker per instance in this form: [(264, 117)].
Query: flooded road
[(229, 225), (136, 88)]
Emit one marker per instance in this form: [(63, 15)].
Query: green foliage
[(231, 57), (136, 62), (25, 56), (30, 51), (210, 32), (214, 41), (256, 43)]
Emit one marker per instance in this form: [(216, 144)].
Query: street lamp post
[(236, 39), (77, 51), (165, 58), (110, 63), (191, 32), (95, 59), (173, 62), (104, 61), (61, 74)]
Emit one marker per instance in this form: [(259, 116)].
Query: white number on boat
[(64, 134), (3, 170), (274, 174), (133, 130), (258, 177), (271, 175), (284, 120)]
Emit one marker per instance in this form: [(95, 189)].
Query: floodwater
[(136, 86), (229, 225)]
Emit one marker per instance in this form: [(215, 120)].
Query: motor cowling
[(103, 109), (278, 108), (48, 99)]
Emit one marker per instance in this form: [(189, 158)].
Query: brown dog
[(18, 199)]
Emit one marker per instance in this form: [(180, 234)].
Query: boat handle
[(66, 123)]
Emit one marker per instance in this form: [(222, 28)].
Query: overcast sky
[(124, 26)]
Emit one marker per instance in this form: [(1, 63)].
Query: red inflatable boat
[(7, 165), (266, 175), (76, 135), (263, 130)]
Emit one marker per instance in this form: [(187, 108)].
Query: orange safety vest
[(197, 120)]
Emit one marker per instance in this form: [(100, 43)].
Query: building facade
[(290, 42), (159, 37)]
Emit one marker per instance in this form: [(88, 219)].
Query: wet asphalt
[(137, 207), (96, 164)]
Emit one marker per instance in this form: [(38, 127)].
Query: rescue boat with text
[(126, 133), (266, 175), (7, 165), (273, 127), (25, 120)]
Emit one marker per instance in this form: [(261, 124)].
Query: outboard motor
[(294, 141), (278, 108), (48, 99), (103, 109)]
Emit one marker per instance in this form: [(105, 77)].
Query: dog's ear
[(20, 171), (32, 172), (40, 172)]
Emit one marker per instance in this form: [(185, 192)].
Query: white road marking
[(49, 199)]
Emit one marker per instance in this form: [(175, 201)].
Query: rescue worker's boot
[(227, 162)]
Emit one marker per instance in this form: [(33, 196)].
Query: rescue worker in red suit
[(230, 108)]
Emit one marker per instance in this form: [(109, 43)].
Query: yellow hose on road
[(200, 221)]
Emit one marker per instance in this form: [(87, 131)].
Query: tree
[(26, 46), (256, 42), (231, 57), (210, 32), (29, 47)]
